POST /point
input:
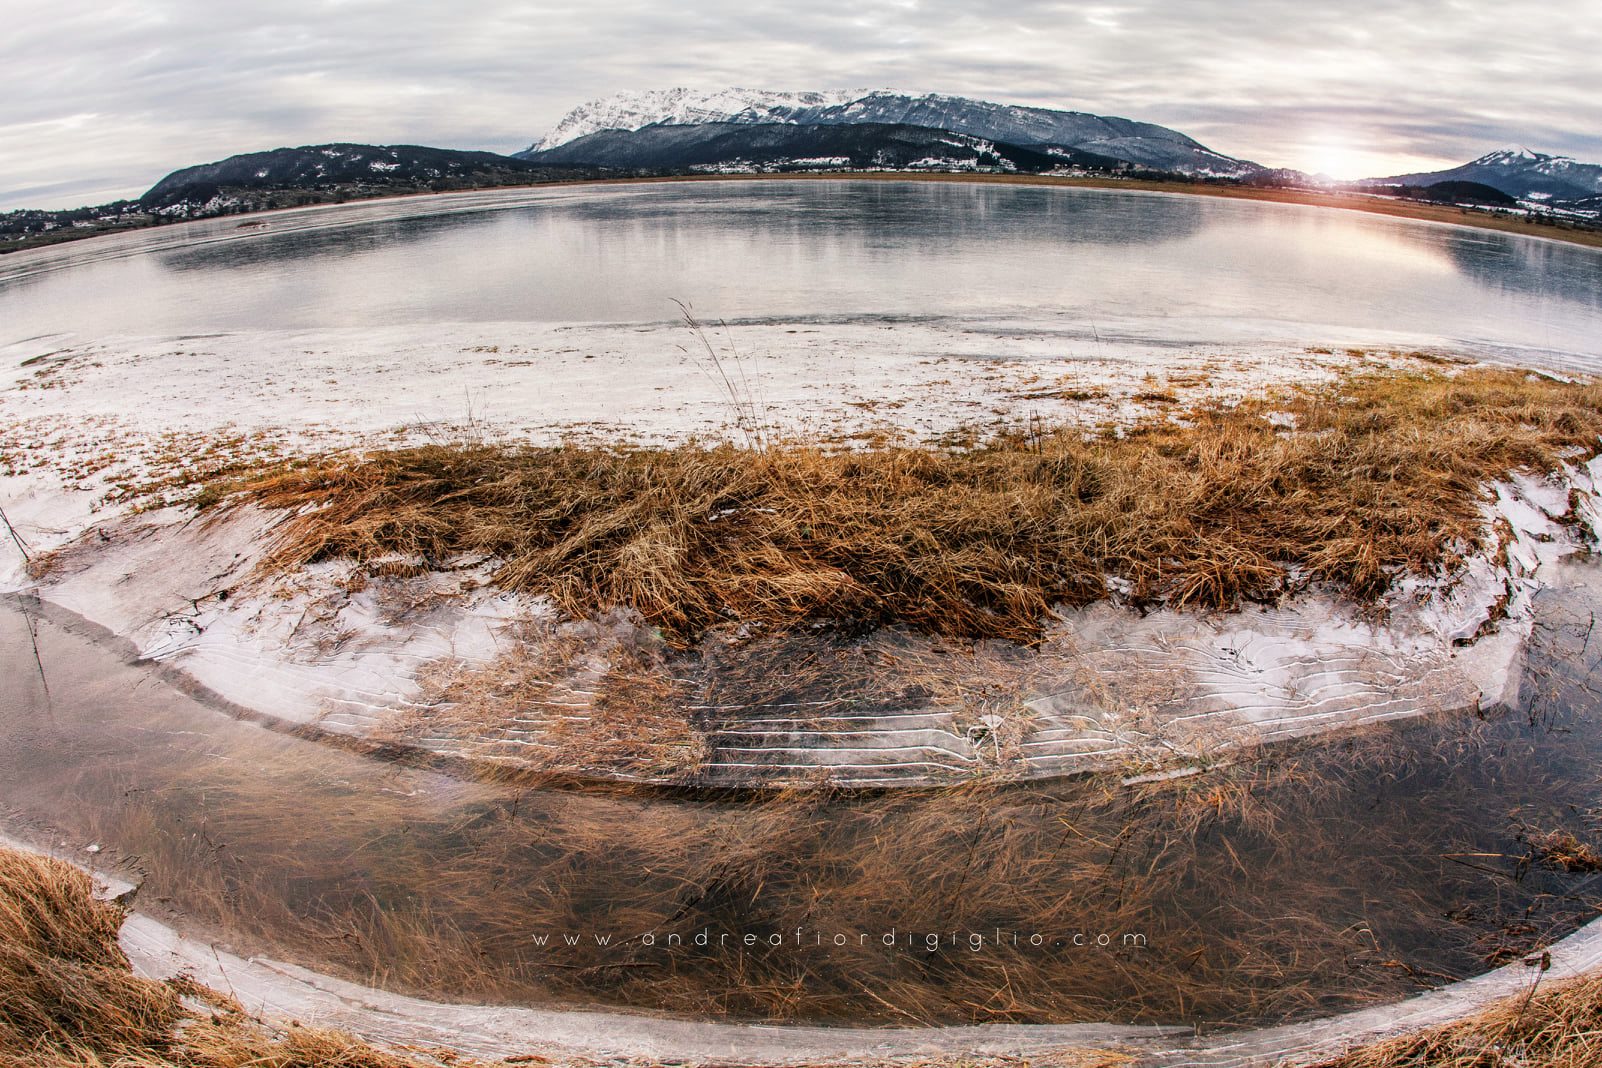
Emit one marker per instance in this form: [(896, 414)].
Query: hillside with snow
[(1518, 172), (769, 147), (687, 107), (1141, 144)]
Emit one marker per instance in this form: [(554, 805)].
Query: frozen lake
[(1086, 268)]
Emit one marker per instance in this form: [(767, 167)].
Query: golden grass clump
[(1557, 1026), (1565, 852), (64, 981), (1380, 474), (69, 999)]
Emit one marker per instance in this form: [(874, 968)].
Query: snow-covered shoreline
[(81, 417), (1111, 687)]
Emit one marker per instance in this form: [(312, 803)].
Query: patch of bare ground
[(124, 466), (1350, 484)]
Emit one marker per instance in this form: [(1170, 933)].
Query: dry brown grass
[(63, 979), (1302, 880), (1382, 474), (69, 1000), (1558, 1026), (1268, 890), (68, 997)]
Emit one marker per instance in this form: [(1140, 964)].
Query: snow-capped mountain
[(1141, 143), (1516, 171), (686, 107)]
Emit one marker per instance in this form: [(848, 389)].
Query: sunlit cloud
[(101, 99)]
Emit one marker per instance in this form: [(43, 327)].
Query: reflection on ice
[(1164, 265)]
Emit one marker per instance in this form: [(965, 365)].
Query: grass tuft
[(69, 999), (64, 981), (1565, 852), (1557, 1026), (1383, 474)]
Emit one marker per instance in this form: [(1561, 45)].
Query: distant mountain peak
[(682, 106), (1518, 156), (1516, 170), (1143, 144), (1510, 153)]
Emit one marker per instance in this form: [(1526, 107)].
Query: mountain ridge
[(681, 107), (733, 148), (1515, 170), (1140, 143), (335, 164), (1556, 191)]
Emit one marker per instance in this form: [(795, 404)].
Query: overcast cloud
[(99, 100)]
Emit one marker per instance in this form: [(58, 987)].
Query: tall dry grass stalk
[(1381, 474), (63, 979), (69, 999)]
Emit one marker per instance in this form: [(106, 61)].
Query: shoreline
[(1367, 203), (284, 990), (379, 645), (1372, 204)]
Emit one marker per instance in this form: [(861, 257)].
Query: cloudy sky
[(100, 99)]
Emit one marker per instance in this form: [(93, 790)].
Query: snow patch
[(682, 107)]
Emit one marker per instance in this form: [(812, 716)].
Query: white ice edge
[(281, 993), (314, 651), (322, 648)]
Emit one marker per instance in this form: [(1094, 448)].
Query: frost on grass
[(1029, 600)]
